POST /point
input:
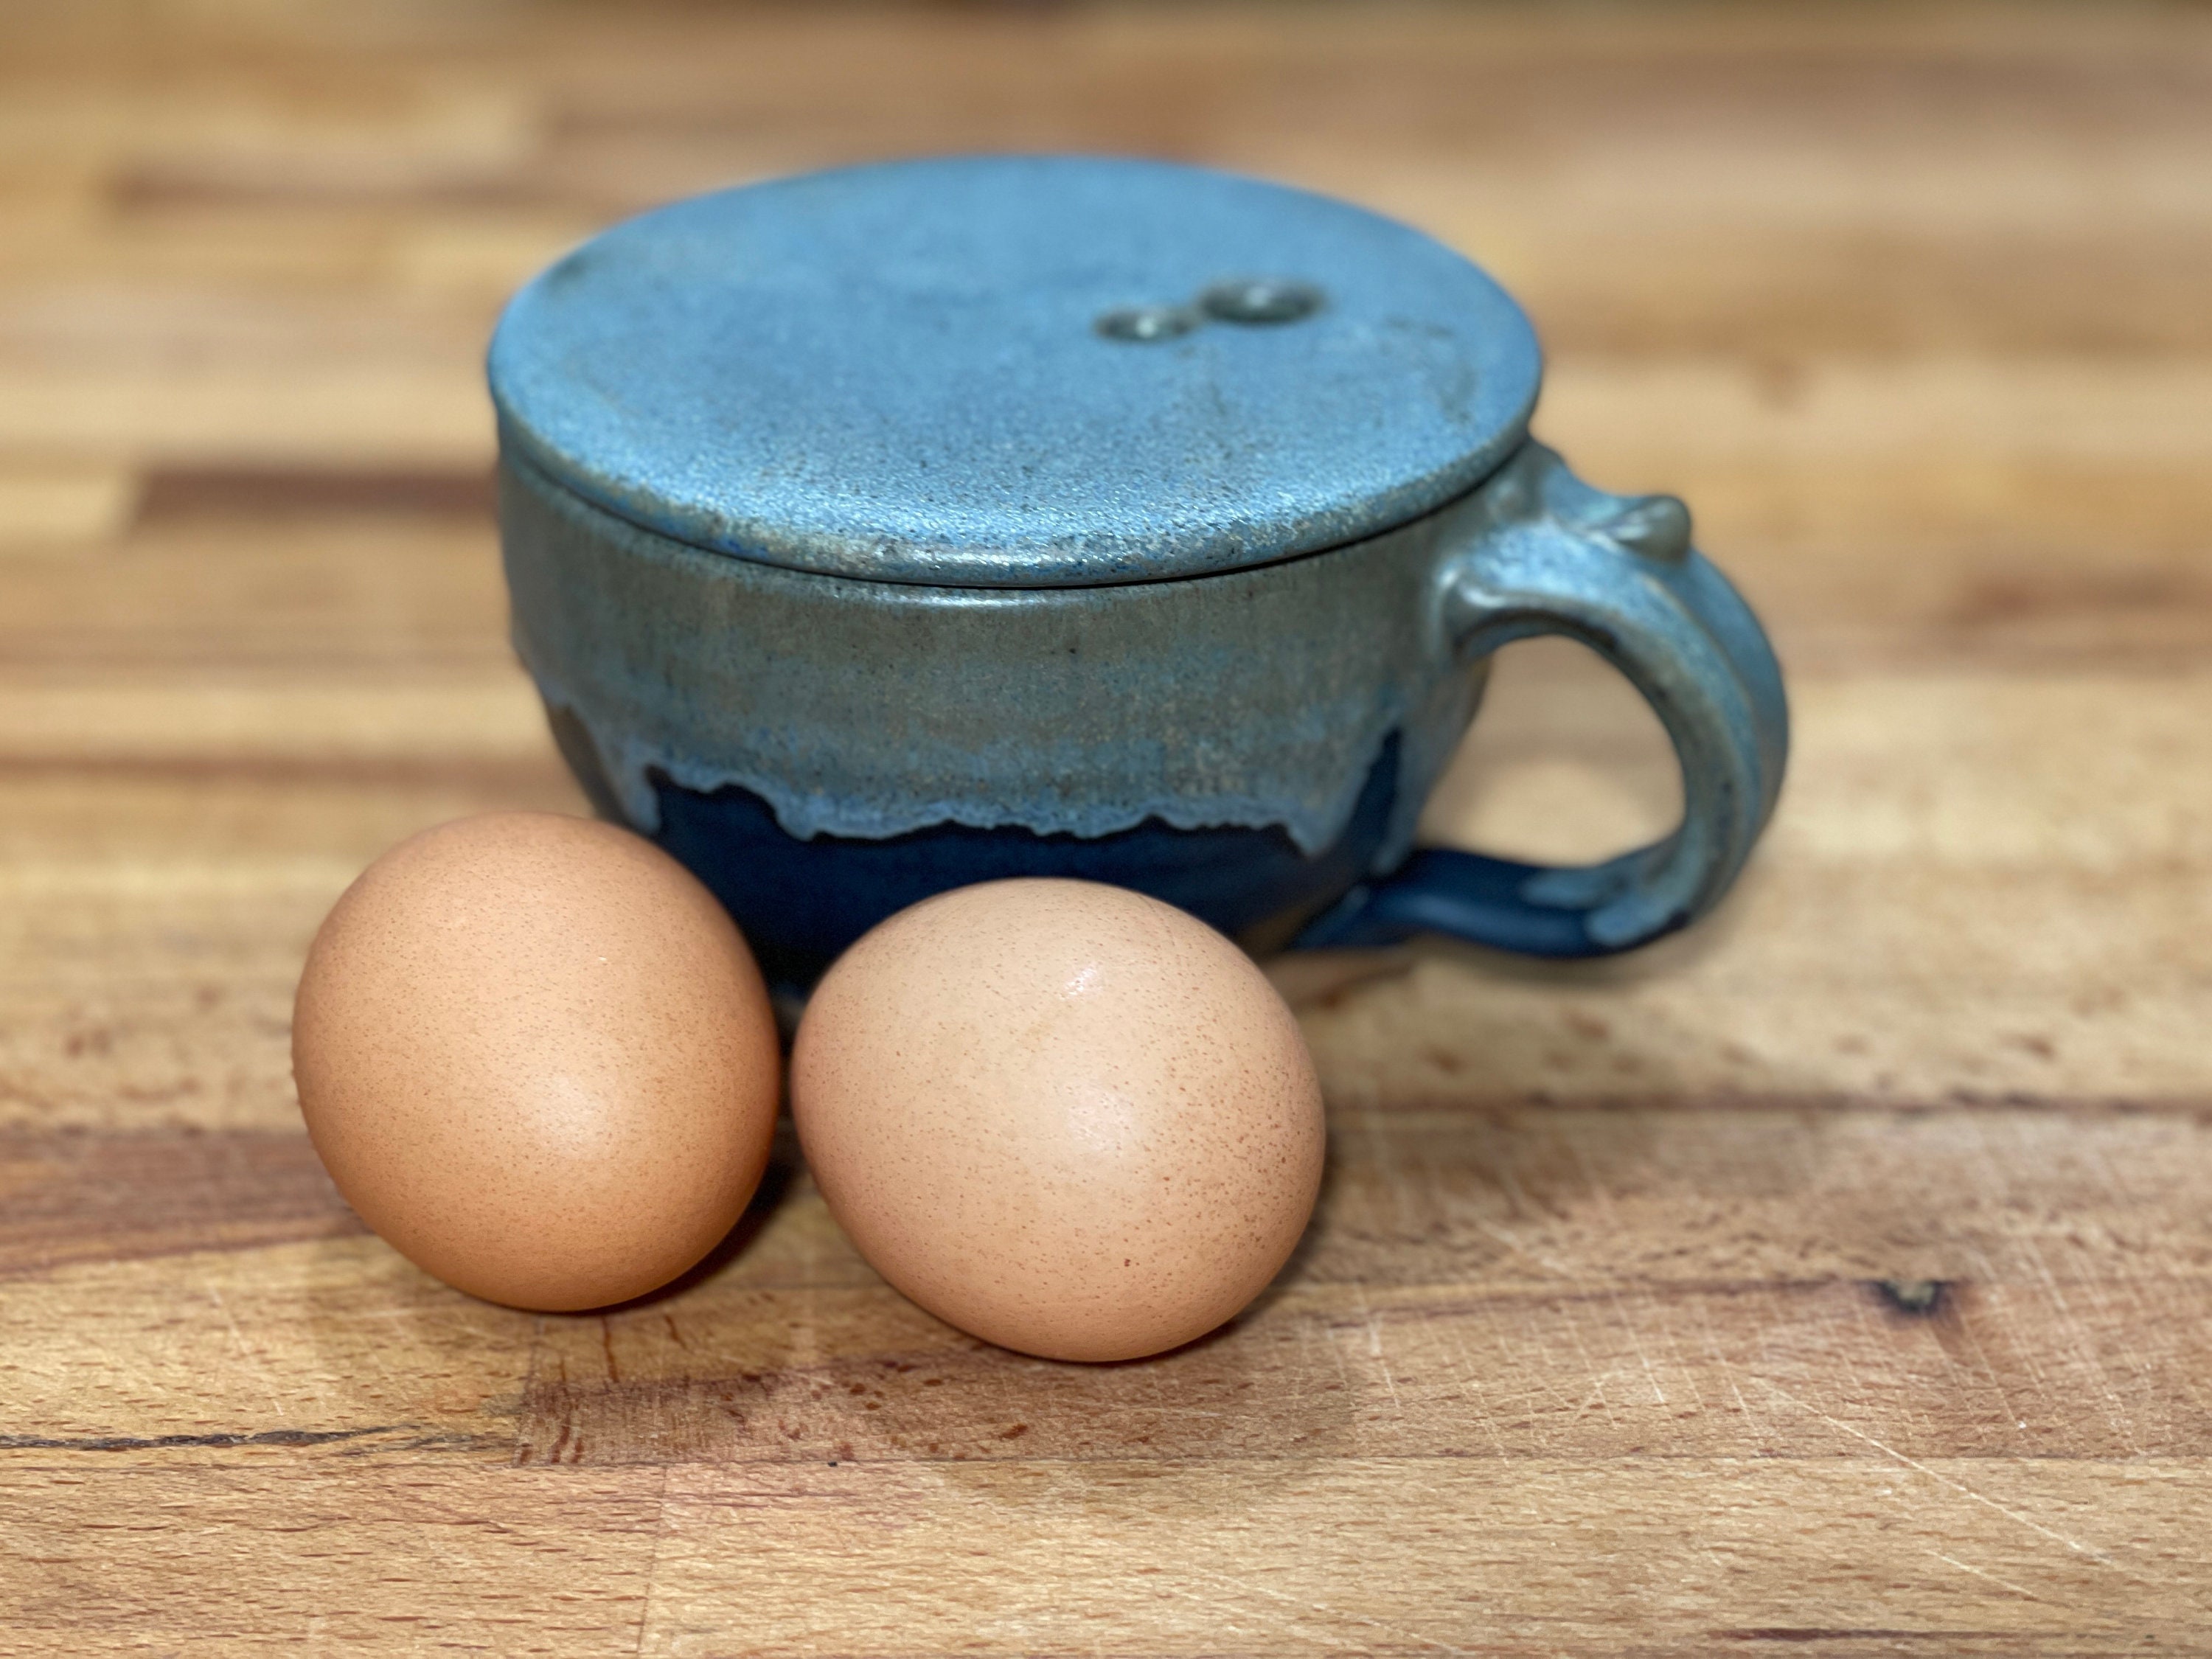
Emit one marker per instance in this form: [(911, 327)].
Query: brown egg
[(537, 1057), (1064, 1117)]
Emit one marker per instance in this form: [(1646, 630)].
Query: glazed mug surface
[(878, 531)]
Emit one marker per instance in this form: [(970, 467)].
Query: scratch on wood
[(523, 1448), (1323, 1607), (2002, 1583), (1375, 1344), (652, 1566), (244, 1353), (1914, 1464), (157, 1442), (1853, 1633)]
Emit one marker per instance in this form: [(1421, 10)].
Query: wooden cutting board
[(1833, 1280)]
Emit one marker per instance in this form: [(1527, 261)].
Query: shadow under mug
[(1253, 745)]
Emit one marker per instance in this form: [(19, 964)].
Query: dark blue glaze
[(1470, 896), (801, 902)]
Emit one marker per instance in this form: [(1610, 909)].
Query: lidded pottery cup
[(879, 531)]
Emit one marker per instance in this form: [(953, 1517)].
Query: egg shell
[(1065, 1117), (538, 1058)]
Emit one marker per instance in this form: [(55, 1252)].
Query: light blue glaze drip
[(1259, 698)]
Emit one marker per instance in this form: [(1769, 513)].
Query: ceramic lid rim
[(1436, 368)]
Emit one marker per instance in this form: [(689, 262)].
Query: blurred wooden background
[(1832, 1280)]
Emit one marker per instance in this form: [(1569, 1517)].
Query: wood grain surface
[(1832, 1280)]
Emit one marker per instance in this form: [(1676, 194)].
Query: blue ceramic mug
[(879, 531)]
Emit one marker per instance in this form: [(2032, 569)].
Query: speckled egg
[(538, 1058), (1064, 1117)]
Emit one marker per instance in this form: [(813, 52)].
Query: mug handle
[(1619, 574)]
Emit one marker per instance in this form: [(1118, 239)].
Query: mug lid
[(1014, 372)]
